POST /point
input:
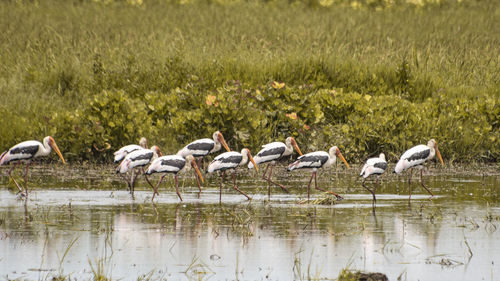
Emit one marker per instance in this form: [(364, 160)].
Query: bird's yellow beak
[(253, 162), (294, 144), (56, 149), (439, 156), (193, 164), (221, 139), (342, 158)]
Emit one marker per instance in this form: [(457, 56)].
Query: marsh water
[(81, 223)]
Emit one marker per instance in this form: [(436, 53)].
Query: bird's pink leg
[(147, 179), (14, 180), (155, 190), (371, 191), (134, 178), (309, 187), (409, 186), (269, 181), (132, 182), (324, 190), (236, 188), (177, 187), (26, 178), (126, 180), (131, 187), (265, 171), (220, 190), (422, 182), (200, 159)]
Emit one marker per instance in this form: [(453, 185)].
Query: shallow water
[(79, 224)]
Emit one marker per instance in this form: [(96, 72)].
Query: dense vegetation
[(369, 76)]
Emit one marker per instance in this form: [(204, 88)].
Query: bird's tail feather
[(1, 157), (363, 170), (293, 166), (399, 167), (123, 167)]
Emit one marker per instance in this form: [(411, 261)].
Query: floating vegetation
[(198, 270), (325, 199), (356, 275), (443, 261)]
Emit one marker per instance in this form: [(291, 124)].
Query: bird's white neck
[(217, 146), (433, 153), (186, 168), (333, 157), (288, 149), (244, 157), (45, 149)]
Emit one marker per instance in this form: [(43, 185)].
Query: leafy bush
[(361, 125), (106, 121)]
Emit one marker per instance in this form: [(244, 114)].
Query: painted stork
[(137, 158), (202, 147), (416, 157), (316, 160), (122, 152), (172, 164), (26, 151), (374, 166), (231, 160), (272, 152)]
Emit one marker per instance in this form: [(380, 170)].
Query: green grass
[(58, 56)]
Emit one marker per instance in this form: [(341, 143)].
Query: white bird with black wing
[(122, 152), (138, 158), (26, 151), (273, 152), (316, 160), (172, 164), (416, 157), (374, 166), (230, 161), (202, 147)]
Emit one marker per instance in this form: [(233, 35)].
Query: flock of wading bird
[(139, 156)]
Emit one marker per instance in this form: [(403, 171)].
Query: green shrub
[(361, 125), (106, 121)]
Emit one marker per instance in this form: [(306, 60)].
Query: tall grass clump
[(368, 76)]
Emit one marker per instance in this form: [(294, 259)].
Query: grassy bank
[(365, 75)]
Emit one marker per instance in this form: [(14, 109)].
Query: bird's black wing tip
[(1, 156)]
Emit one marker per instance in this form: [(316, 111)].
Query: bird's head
[(218, 137), (433, 144), (52, 143), (190, 159), (291, 141), (156, 150), (336, 151), (143, 142)]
